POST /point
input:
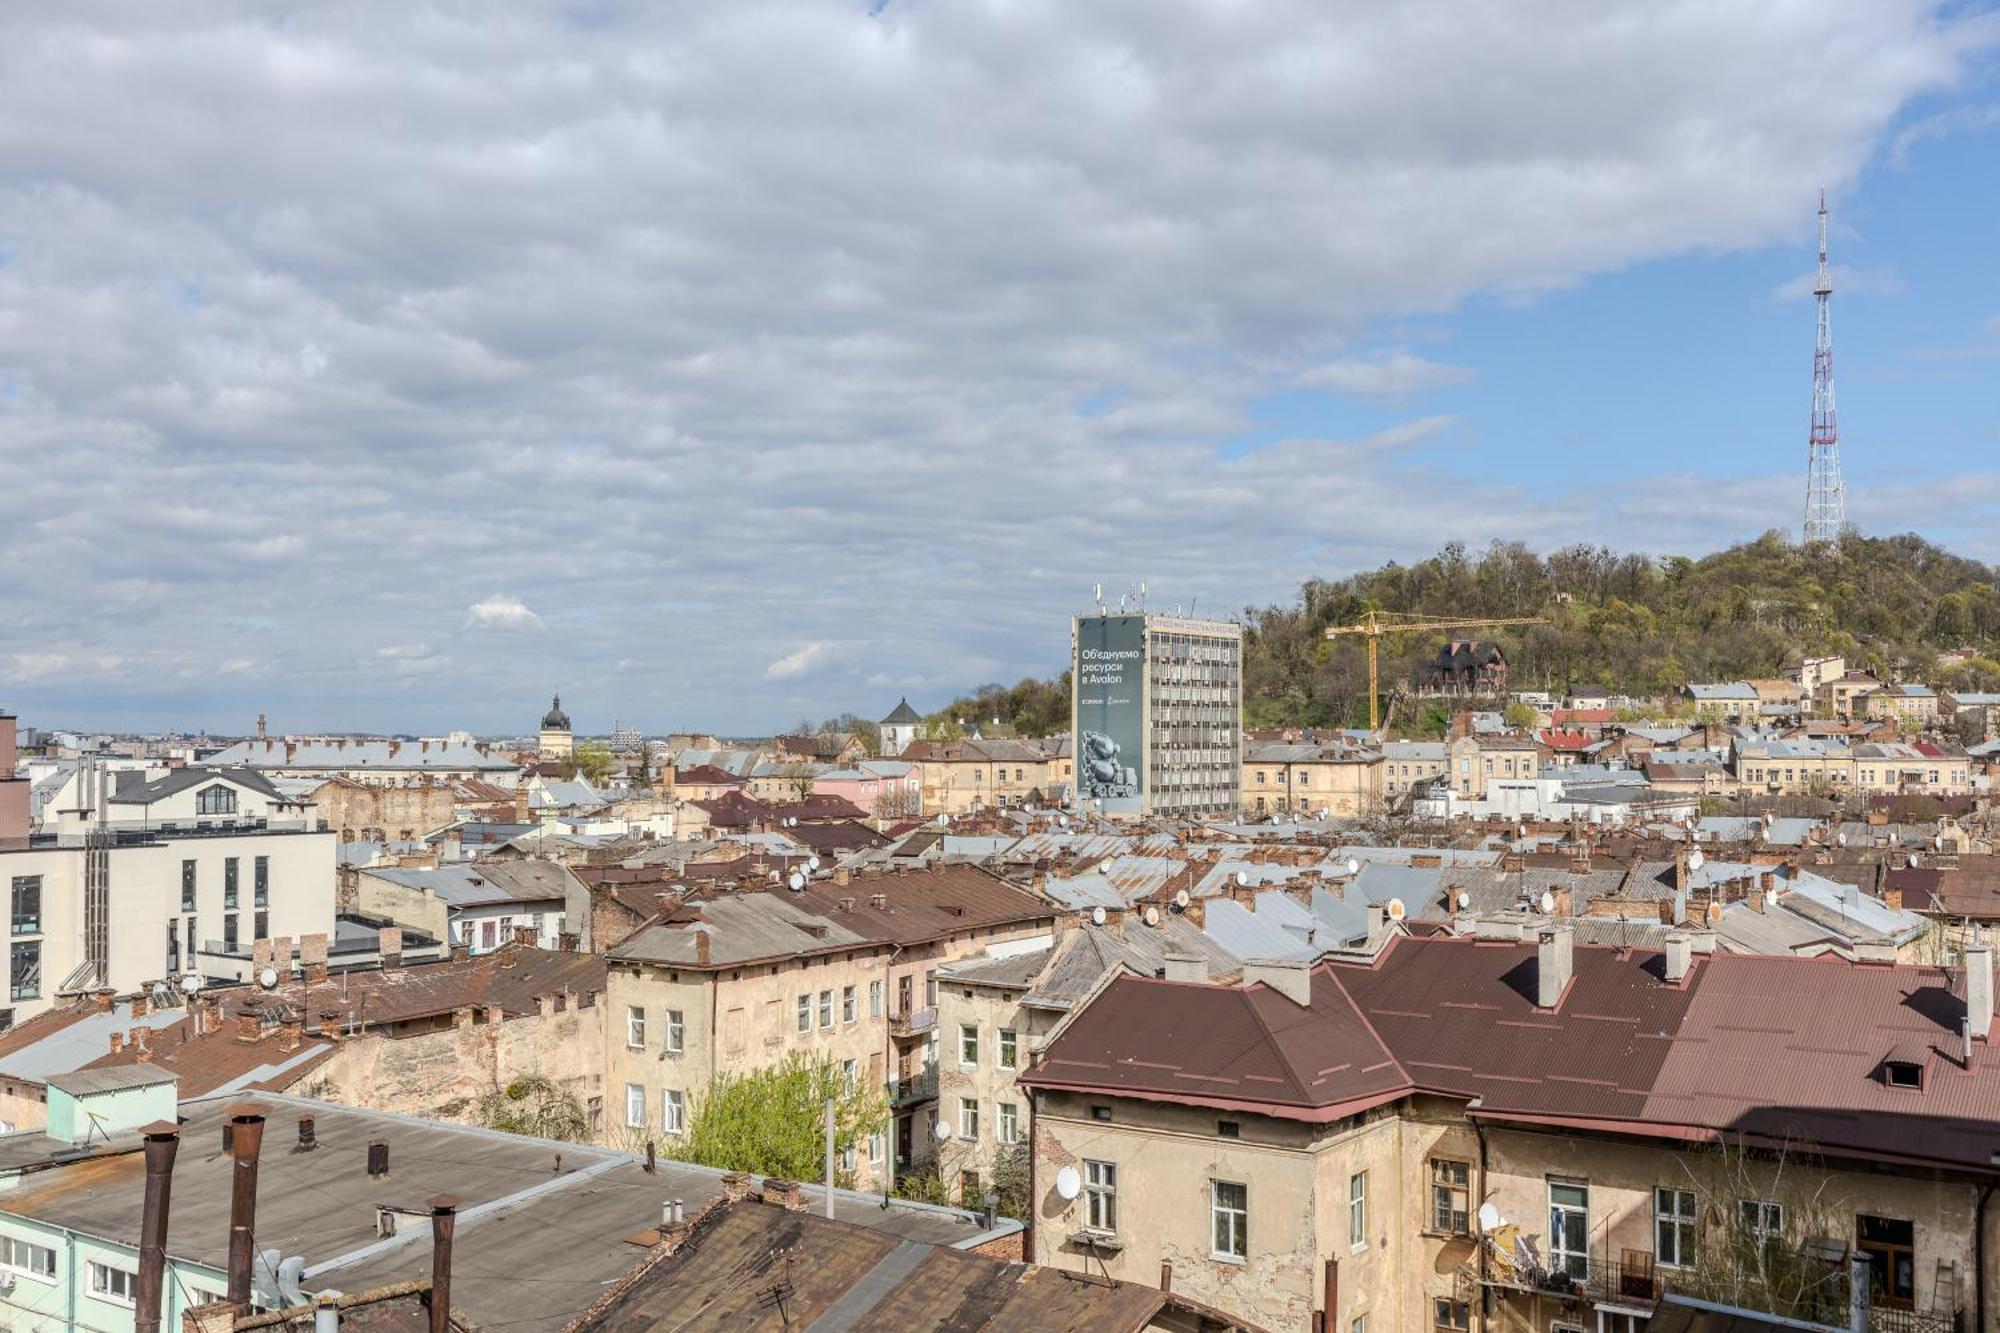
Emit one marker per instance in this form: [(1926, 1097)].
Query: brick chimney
[(736, 1186), (785, 1193), (390, 941)]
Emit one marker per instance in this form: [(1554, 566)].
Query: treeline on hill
[(1633, 623)]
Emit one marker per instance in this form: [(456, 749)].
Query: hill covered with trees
[(1635, 623)]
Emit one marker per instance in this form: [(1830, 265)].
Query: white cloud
[(1846, 282), (502, 613), (1389, 374), (694, 323), (799, 661)]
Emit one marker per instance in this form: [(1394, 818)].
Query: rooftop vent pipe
[(1979, 991), (1678, 954)]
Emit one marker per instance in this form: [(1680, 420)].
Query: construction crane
[(1375, 624)]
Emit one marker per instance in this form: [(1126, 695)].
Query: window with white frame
[(1450, 1196), (635, 1106), (826, 1008), (119, 1285), (968, 1044), (1569, 1228), (968, 1117), (1673, 1227), (676, 1032), (1359, 1324), (1008, 1116), (1357, 1210), (23, 1256), (673, 1111), (875, 1146), (849, 1071), (1763, 1219), (847, 1004), (635, 1027), (1100, 1195), (874, 999), (1229, 1211), (1009, 1048), (805, 1013)]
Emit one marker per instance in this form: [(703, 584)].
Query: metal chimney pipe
[(444, 1220), (163, 1141), (326, 1312), (247, 1136)]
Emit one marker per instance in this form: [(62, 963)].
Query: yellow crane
[(1375, 624)]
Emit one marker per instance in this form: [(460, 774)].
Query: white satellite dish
[(1068, 1183), (1062, 821), (1841, 837), (1464, 900), (1181, 899), (1152, 916), (1696, 860), (268, 978), (1489, 1217), (944, 821), (941, 1131), (796, 881), (1353, 865), (190, 983), (1097, 916), (1242, 877), (1913, 860), (1938, 842), (1396, 909), (1548, 903), (812, 863)]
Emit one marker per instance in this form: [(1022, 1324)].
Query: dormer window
[(217, 800), (1903, 1074)]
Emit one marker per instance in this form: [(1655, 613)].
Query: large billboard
[(1109, 686)]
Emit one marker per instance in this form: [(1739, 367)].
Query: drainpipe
[(247, 1135), (163, 1140), (1979, 1253), (1485, 1292), (444, 1220)]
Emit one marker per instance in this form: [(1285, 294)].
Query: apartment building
[(1475, 761), (1309, 778), (1725, 701), (1932, 768), (381, 763), (959, 777), (1453, 1133), (1156, 713), (1839, 696), (1795, 766), (844, 967), (1410, 765), (1914, 707), (133, 878)]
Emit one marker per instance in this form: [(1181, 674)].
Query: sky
[(388, 366)]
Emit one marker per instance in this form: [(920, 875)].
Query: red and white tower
[(1826, 493)]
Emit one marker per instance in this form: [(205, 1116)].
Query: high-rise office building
[(1156, 715)]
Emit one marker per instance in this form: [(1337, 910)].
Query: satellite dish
[(1068, 1183), (190, 983), (1181, 899), (1097, 916), (1396, 909), (1062, 821), (268, 978), (1714, 913), (1353, 865), (1548, 903), (941, 1131), (1464, 900), (796, 881), (1489, 1217), (1242, 877), (1841, 837), (944, 821), (1913, 860), (1152, 916), (812, 863), (1696, 860), (1938, 842)]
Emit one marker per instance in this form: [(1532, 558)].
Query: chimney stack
[(1553, 962), (247, 1123), (378, 1157), (1678, 958), (163, 1141), (390, 941), (444, 1220), (1186, 967), (1979, 991)]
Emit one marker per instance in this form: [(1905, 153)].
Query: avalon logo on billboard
[(1109, 675)]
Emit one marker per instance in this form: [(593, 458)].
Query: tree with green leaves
[(592, 761), (538, 1106), (772, 1121)]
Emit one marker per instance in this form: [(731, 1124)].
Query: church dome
[(555, 719)]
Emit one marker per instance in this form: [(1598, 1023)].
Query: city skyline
[(783, 361)]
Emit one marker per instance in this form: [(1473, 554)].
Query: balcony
[(904, 1023), (921, 1086)]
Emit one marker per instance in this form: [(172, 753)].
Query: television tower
[(1826, 494)]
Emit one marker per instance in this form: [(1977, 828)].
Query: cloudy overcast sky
[(387, 365)]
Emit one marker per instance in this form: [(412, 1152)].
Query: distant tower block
[(1826, 493)]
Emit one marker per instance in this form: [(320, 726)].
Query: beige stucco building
[(1304, 778)]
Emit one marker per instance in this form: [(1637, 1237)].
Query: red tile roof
[(1773, 1048)]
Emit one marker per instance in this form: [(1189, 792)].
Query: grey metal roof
[(333, 755), (84, 1082), (483, 883), (79, 1042)]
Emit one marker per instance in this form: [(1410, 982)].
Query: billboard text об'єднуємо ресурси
[(1110, 711)]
